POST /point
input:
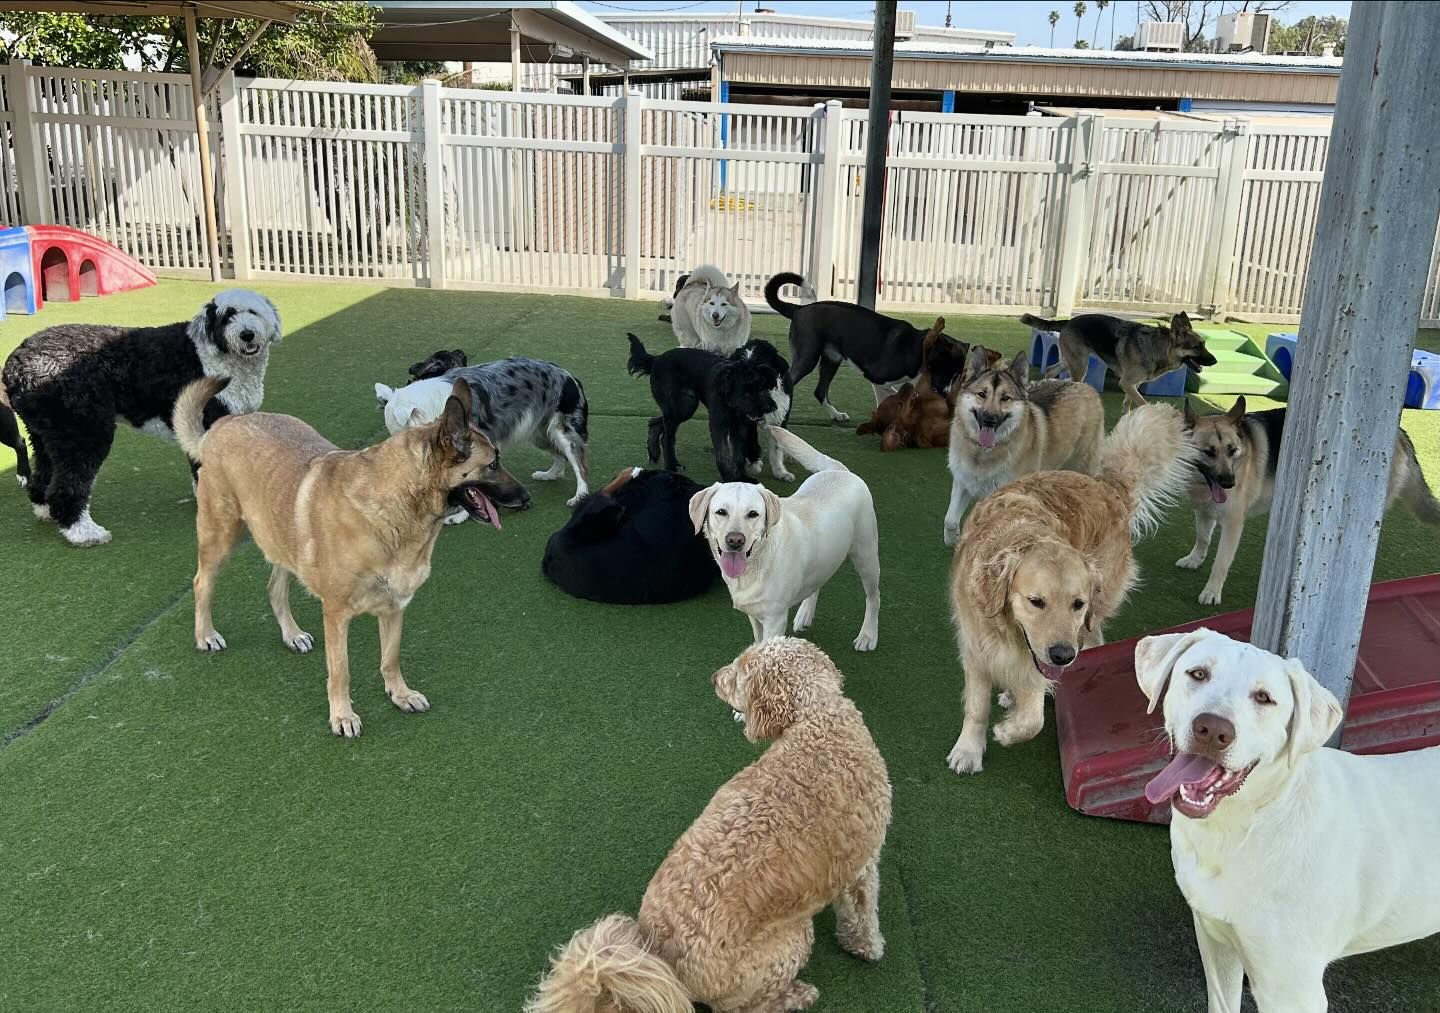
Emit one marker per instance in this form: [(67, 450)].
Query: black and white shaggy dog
[(738, 390), (72, 384), (885, 349), (521, 400), (632, 543)]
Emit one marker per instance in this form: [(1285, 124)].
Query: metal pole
[(1378, 205), (877, 140), (202, 136)]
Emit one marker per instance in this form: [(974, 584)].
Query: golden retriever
[(1044, 562), (728, 917)]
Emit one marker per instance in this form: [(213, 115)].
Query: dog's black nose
[(248, 337), (734, 541), (1225, 481), (1213, 731), (1061, 654)]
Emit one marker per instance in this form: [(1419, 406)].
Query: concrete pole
[(202, 136), (585, 74), (514, 58), (877, 141), (1378, 206)]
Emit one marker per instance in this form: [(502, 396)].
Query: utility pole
[(877, 143)]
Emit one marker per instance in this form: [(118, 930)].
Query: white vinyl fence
[(426, 185)]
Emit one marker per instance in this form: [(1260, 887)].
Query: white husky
[(708, 312)]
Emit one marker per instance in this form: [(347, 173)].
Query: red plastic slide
[(70, 263)]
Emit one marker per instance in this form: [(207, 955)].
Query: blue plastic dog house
[(17, 271), (1422, 387), (1045, 353)]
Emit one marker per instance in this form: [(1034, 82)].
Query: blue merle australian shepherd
[(71, 385)]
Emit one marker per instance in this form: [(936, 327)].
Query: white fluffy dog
[(708, 312), (415, 404), (1290, 855), (777, 553)]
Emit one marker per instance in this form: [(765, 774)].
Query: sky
[(1026, 18)]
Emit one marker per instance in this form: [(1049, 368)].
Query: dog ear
[(460, 358), (783, 678), (734, 291), (1189, 414), (212, 321), (453, 434), (1237, 410), (383, 394), (772, 507), (460, 390), (975, 364), (1316, 715), (1155, 657), (274, 315), (992, 584), (1180, 322), (700, 506), (1019, 368)]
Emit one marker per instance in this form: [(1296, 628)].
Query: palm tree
[(1080, 8), (1100, 6), (1054, 20)]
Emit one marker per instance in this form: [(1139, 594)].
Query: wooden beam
[(1378, 205), (202, 136), (877, 141), (250, 40)]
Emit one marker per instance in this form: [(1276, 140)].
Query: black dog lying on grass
[(632, 543)]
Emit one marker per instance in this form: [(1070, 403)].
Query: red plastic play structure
[(70, 263), (1109, 746)]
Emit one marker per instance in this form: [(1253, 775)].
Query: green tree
[(1080, 8), (1054, 20), (1309, 35), (328, 43), (1100, 6)]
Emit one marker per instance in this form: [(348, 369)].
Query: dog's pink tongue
[(1217, 493), (733, 564), (484, 503), (987, 436), (1186, 768)]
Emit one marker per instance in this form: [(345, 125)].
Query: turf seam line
[(920, 961), (90, 676)]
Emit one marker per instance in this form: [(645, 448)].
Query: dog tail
[(810, 459), (188, 421), (383, 394), (1413, 490), (608, 966), (1041, 324), (772, 292), (1149, 457), (641, 361), (706, 274)]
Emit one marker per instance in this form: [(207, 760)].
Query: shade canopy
[(481, 32)]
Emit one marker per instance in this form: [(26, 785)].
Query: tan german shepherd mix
[(1235, 477), (357, 527), (1004, 427), (1136, 353)]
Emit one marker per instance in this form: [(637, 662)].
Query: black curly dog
[(735, 390)]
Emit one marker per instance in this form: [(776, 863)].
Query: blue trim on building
[(1185, 105), (724, 131), (947, 102)]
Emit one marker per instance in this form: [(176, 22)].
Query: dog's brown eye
[(1233, 451), (752, 515), (1198, 674), (493, 466), (1263, 698), (1209, 451), (722, 512), (1005, 398), (1077, 604), (1039, 603)]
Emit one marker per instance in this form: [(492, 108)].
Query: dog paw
[(866, 641), (785, 476), (870, 948), (1012, 731), (753, 469), (964, 760), (800, 995), (41, 511), (456, 517), (1006, 699), (210, 642), (574, 500), (410, 701), (548, 475), (346, 725), (24, 482), (1190, 562), (952, 534), (300, 643), (840, 418), (1210, 596)]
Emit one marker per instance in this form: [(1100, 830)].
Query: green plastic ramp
[(1241, 367)]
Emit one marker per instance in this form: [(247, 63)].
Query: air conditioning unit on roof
[(1166, 36), (904, 24), (1241, 31)]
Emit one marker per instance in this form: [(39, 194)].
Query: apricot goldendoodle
[(728, 917)]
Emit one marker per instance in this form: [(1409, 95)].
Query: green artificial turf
[(181, 831)]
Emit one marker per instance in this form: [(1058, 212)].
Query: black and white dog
[(740, 391), (71, 384)]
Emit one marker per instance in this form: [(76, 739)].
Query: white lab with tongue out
[(1290, 855), (775, 554)]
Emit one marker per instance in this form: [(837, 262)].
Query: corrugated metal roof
[(1251, 62)]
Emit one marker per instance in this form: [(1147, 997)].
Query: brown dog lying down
[(357, 527), (728, 917), (917, 415)]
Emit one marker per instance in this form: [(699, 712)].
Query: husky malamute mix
[(1004, 428), (709, 313), (1136, 353), (1235, 477), (357, 527)]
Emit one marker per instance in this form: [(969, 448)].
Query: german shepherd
[(1235, 477), (1136, 353), (356, 526), (1004, 427)]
